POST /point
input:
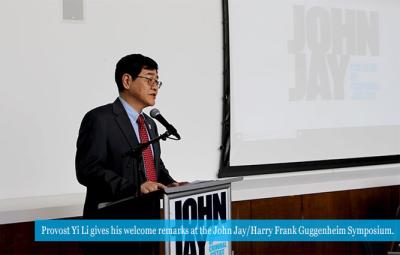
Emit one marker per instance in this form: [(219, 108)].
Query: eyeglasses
[(151, 81)]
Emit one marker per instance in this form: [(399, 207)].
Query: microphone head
[(154, 113)]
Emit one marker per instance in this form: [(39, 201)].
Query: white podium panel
[(210, 200)]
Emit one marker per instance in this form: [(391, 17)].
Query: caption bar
[(221, 230)]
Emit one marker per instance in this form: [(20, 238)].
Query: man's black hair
[(132, 64)]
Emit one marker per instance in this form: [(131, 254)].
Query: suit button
[(128, 165)]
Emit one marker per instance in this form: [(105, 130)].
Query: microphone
[(155, 113)]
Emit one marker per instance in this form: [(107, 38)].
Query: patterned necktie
[(147, 154)]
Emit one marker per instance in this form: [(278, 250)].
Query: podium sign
[(209, 200)]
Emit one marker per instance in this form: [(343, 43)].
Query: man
[(108, 134)]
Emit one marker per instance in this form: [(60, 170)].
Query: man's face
[(142, 90)]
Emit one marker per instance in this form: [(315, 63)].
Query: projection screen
[(310, 85)]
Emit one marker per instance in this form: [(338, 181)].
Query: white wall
[(53, 71)]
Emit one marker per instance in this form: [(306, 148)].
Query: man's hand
[(150, 186), (176, 184)]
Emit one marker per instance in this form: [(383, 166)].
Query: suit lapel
[(149, 127), (121, 117)]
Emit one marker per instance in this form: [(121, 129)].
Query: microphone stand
[(137, 150)]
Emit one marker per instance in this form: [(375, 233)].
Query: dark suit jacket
[(105, 136)]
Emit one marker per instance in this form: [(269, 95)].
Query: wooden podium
[(202, 200)]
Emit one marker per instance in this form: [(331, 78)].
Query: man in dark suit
[(109, 133)]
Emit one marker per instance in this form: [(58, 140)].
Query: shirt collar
[(132, 113)]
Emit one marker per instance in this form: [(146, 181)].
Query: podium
[(202, 200), (207, 200)]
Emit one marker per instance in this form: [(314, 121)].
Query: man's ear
[(126, 81)]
